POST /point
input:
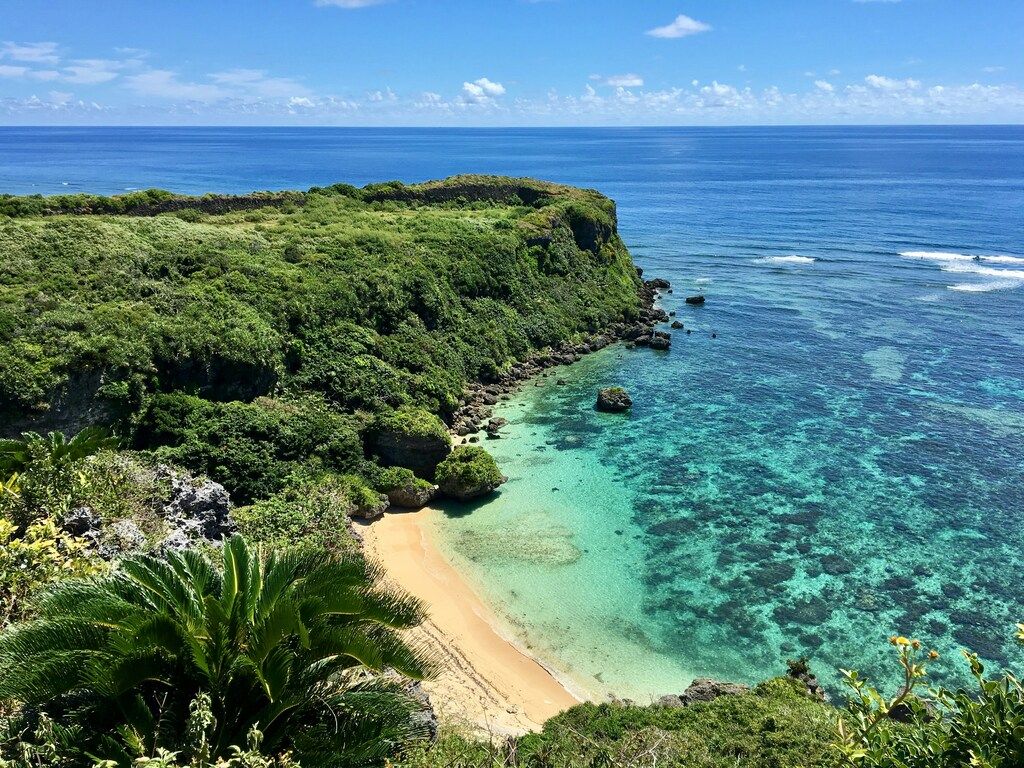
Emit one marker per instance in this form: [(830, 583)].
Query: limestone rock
[(613, 400)]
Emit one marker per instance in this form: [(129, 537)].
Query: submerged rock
[(613, 400)]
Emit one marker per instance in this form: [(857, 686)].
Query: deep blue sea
[(842, 461)]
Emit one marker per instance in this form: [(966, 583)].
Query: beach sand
[(488, 684)]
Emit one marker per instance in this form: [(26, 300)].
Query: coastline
[(488, 683)]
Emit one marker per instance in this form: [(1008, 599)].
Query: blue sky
[(511, 62)]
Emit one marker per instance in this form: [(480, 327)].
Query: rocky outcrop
[(613, 400), (373, 506), (412, 495), (411, 438), (199, 510), (703, 689), (195, 511), (695, 300), (469, 473)]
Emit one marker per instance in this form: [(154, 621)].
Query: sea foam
[(788, 260)]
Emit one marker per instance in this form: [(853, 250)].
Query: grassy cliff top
[(368, 298)]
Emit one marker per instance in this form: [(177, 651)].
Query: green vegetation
[(776, 724), (923, 727), (255, 449), (304, 349), (468, 472), (125, 661)]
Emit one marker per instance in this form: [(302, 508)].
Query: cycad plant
[(288, 644), (54, 450)]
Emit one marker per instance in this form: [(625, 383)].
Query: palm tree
[(54, 450), (287, 644)]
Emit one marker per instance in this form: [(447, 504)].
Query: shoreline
[(488, 683)]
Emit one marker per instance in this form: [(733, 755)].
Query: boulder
[(412, 495), (676, 325), (123, 537), (659, 283), (613, 400), (660, 342), (198, 506), (695, 299), (371, 507), (494, 425)]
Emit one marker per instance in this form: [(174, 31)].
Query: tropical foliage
[(284, 645), (928, 727)]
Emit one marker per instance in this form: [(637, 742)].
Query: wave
[(788, 260), (960, 257), (998, 285), (962, 263)]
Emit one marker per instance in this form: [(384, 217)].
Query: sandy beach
[(488, 683)]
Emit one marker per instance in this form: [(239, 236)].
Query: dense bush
[(923, 727), (310, 515), (253, 449), (774, 726)]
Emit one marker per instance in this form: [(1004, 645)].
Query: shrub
[(923, 727), (41, 555), (311, 515)]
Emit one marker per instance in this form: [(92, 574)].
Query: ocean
[(835, 452)]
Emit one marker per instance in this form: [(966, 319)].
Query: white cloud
[(91, 71), (164, 84), (386, 95), (482, 91), (824, 85), (301, 101), (682, 26), (625, 81), (8, 70), (256, 82), (39, 53), (889, 84), (992, 70)]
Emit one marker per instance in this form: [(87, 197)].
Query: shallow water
[(845, 460)]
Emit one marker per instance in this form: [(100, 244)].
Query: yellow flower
[(933, 654), (916, 644), (899, 640)]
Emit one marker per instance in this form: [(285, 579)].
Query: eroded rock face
[(421, 455), (371, 509), (198, 510), (412, 496), (614, 400), (703, 689)]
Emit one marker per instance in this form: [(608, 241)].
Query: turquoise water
[(845, 461)]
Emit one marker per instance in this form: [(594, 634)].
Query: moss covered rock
[(404, 489), (468, 473), (412, 438)]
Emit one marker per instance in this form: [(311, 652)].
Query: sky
[(510, 62)]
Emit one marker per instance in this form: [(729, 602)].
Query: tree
[(287, 645)]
